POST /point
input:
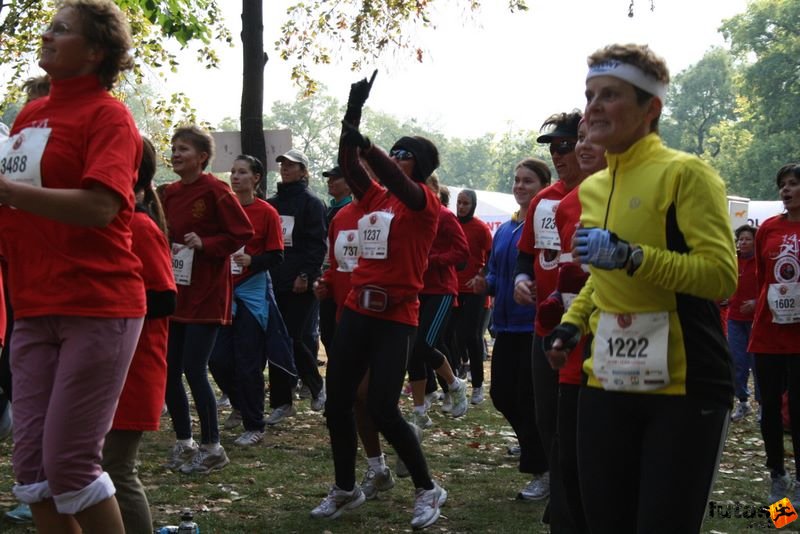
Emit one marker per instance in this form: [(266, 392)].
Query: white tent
[(496, 208)]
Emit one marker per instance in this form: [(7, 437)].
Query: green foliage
[(153, 23), (699, 98), (766, 41)]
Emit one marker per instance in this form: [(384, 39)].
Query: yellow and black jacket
[(674, 206)]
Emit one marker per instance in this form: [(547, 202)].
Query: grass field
[(272, 487)]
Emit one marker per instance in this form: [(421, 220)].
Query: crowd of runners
[(620, 299)]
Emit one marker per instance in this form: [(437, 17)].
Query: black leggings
[(512, 395), (469, 324), (434, 312), (647, 462), (775, 373), (188, 350), (545, 391), (364, 343)]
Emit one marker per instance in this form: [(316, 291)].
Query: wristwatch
[(635, 259)]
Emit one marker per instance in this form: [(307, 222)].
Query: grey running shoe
[(432, 397), (459, 396), (337, 502), (537, 489), (233, 420), (204, 461), (223, 401), (513, 450), (741, 411), (427, 506), (477, 395), (422, 420), (376, 481), (779, 487), (180, 454), (280, 413), (250, 438)]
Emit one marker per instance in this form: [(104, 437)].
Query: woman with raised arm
[(378, 324)]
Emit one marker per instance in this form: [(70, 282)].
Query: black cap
[(335, 172), (568, 129)]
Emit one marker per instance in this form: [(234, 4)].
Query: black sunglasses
[(562, 147), (401, 154)]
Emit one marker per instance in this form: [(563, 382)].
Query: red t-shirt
[(449, 248), (479, 239), (568, 217), (400, 274), (345, 220), (777, 262), (545, 262), (56, 268), (142, 396), (208, 208), (746, 289), (268, 234)]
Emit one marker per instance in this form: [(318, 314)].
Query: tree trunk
[(255, 59)]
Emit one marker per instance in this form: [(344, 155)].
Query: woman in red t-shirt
[(206, 225), (741, 309), (239, 358), (775, 338), (74, 283), (471, 315)]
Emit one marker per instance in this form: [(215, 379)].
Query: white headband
[(631, 74)]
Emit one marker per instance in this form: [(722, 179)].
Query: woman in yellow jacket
[(656, 236)]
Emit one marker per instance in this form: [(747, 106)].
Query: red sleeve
[(150, 246), (234, 220), (110, 160), (273, 238), (458, 251), (525, 243)]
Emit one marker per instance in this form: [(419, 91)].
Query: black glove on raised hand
[(359, 92), (352, 137)]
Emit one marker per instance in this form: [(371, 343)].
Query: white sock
[(419, 410), (212, 447), (185, 442), (455, 385), (378, 463)]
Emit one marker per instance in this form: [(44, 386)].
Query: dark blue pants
[(188, 351), (237, 364)]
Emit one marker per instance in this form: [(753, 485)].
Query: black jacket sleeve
[(160, 303), (524, 265)]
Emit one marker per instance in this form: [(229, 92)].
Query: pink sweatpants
[(67, 373)]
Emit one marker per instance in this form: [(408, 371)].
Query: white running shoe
[(459, 397), (741, 411), (427, 506), (422, 420), (250, 438), (337, 501), (447, 403), (318, 402)]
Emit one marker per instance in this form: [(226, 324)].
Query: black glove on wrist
[(352, 137), (359, 92), (569, 334)]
